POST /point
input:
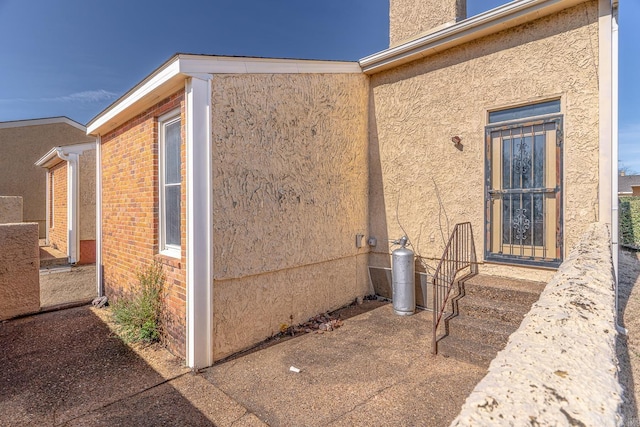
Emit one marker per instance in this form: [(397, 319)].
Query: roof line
[(51, 158), (42, 121), (181, 66), (494, 20)]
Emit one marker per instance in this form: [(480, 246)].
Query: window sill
[(169, 260)]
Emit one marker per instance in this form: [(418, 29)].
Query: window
[(170, 183), (524, 186)]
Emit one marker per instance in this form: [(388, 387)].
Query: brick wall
[(58, 200), (130, 214)]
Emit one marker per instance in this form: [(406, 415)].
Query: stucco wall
[(409, 18), (19, 270), (10, 209), (58, 231), (560, 367), (130, 215), (21, 147), (290, 185), (87, 192), (422, 181)]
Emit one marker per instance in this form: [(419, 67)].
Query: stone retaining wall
[(19, 270), (560, 366)]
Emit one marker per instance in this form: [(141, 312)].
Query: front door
[(524, 195)]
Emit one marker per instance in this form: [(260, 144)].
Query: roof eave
[(495, 20), (170, 77), (52, 158)]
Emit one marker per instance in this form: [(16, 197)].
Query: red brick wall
[(58, 200), (130, 214)]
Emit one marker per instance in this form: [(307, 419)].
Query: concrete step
[(488, 331), (504, 289), (484, 309), (472, 352), (51, 257), (489, 310)]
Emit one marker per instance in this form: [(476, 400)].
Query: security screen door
[(524, 197)]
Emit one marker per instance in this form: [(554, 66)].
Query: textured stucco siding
[(560, 367), (10, 209), (290, 189), (21, 147), (410, 18), (422, 181), (19, 270), (87, 193)]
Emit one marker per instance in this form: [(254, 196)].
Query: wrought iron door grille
[(523, 199)]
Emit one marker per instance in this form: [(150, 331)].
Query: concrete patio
[(68, 368)]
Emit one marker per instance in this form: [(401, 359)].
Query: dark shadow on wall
[(628, 274), (379, 258)]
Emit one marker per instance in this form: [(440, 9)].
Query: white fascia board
[(51, 158), (495, 20), (154, 81), (182, 66), (242, 65), (40, 122)]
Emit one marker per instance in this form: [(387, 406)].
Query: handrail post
[(459, 253)]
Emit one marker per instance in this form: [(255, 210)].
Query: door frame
[(559, 249)]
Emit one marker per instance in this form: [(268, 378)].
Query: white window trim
[(174, 251)]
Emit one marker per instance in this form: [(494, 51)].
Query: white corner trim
[(40, 122), (73, 237), (605, 68), (494, 20), (99, 284), (48, 206), (199, 251)]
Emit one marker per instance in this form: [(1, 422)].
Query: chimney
[(409, 19)]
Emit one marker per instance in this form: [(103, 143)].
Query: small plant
[(139, 318)]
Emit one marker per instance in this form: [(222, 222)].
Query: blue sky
[(74, 57)]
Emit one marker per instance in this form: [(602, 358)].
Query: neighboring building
[(22, 142), (71, 200), (254, 181), (628, 185)]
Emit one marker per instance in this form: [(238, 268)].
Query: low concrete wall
[(10, 209), (560, 367), (19, 270)]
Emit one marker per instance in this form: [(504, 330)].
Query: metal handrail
[(460, 253)]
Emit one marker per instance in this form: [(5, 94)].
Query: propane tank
[(403, 277)]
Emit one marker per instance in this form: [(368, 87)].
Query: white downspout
[(99, 284), (47, 222), (73, 237), (614, 151)]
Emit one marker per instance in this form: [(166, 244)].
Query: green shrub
[(139, 317), (629, 215)]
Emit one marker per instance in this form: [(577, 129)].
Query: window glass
[(172, 217), (170, 186), (172, 153), (517, 113)]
